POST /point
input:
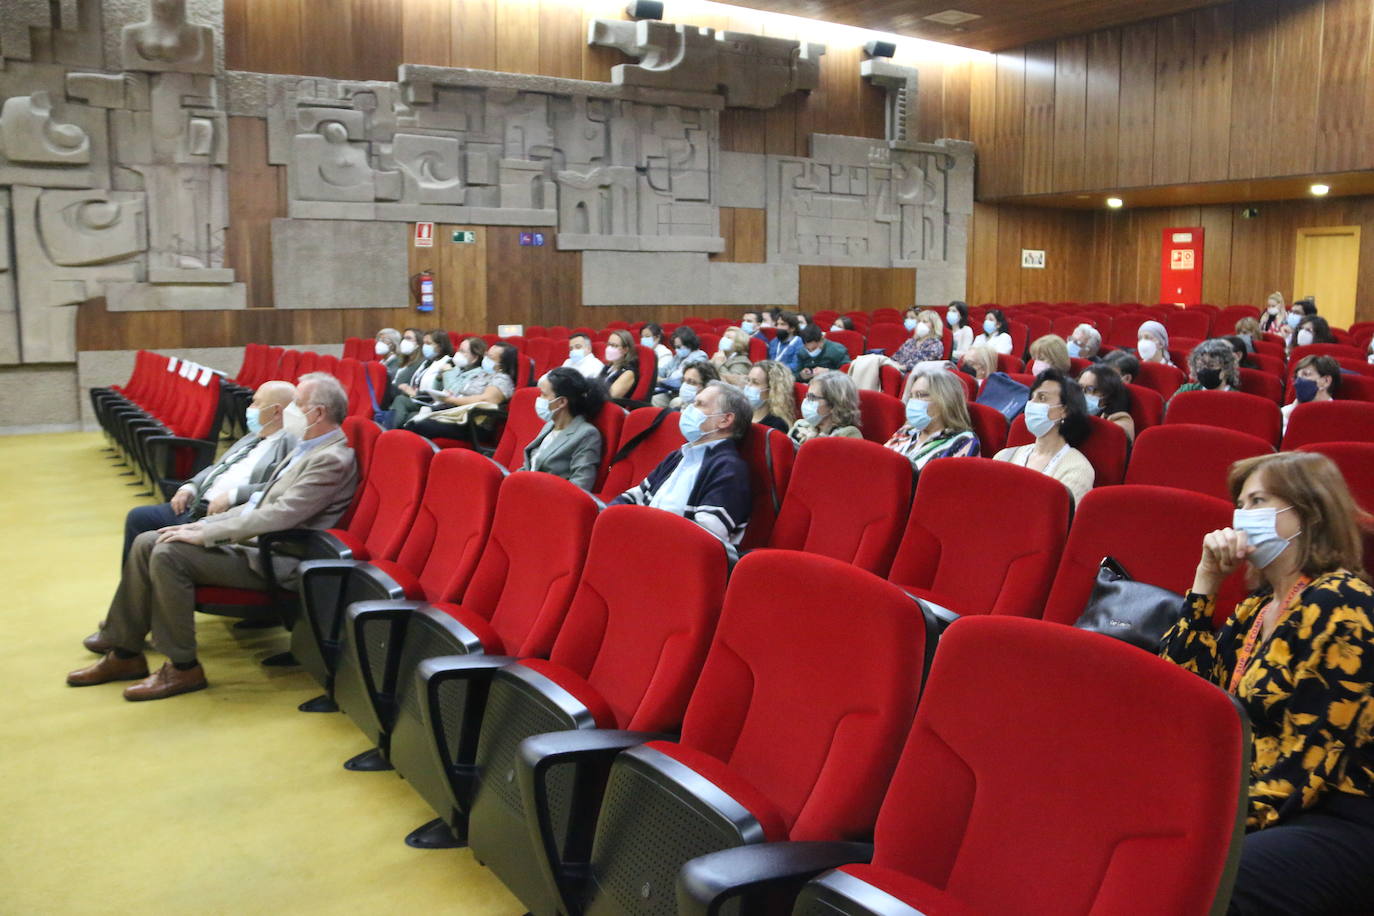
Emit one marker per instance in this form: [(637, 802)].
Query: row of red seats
[(566, 622), (365, 382), (163, 422)]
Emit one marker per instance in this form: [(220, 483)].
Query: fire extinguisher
[(422, 288)]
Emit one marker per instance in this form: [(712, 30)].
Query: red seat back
[(1329, 421), (1346, 351), (1356, 387), (823, 514), (452, 523), (1164, 379), (1191, 457), (1246, 413), (522, 425), (887, 337), (1189, 323), (391, 492), (1356, 461), (1006, 568), (770, 455), (852, 341), (990, 426), (1147, 407), (635, 466), (811, 656), (362, 435), (532, 561), (984, 814), (608, 422), (882, 415), (1261, 384), (647, 373), (1155, 532), (635, 635)]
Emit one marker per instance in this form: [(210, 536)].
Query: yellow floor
[(223, 801)]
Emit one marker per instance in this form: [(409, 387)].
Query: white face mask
[(923, 330), (754, 393), (407, 347), (1038, 366), (293, 421), (1147, 348), (688, 393), (1262, 533), (1305, 337), (382, 348), (837, 327), (801, 324)]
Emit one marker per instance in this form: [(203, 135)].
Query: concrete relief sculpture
[(166, 41)]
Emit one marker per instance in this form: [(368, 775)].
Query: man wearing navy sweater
[(706, 481)]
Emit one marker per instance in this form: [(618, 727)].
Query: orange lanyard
[(1247, 650)]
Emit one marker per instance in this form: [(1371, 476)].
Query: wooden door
[(1328, 266)]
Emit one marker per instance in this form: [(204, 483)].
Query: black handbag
[(1135, 612)]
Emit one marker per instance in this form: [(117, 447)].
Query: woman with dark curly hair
[(1057, 416)]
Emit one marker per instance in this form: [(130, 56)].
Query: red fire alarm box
[(1180, 268)]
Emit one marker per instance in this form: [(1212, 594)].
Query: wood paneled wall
[(1248, 89)]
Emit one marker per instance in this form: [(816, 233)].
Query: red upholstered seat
[(609, 422), (989, 425), (1189, 323), (1001, 568), (362, 435), (628, 472), (1029, 815), (522, 425), (770, 455), (729, 781), (1262, 384), (1246, 413), (1147, 407), (825, 514), (1155, 532), (887, 337), (391, 495), (1329, 421), (1190, 457), (1159, 377), (1356, 461), (852, 341), (881, 415)]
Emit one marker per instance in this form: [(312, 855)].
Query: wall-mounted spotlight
[(1115, 203), (877, 48), (645, 9), (1320, 190)]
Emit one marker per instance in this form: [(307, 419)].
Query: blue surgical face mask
[(909, 324), (1261, 531), (428, 351), (646, 342), (688, 393), (253, 420), (488, 364), (754, 393), (1304, 389), (1038, 419), (689, 423), (1094, 402), (576, 356), (811, 411), (542, 408), (1294, 320), (747, 327), (989, 326), (684, 352), (917, 414), (952, 319), (1074, 349)]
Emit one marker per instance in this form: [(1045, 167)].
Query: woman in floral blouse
[(926, 342), (1298, 654)]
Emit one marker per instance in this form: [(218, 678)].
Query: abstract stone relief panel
[(9, 317)]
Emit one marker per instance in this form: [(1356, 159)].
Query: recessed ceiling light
[(1116, 203), (952, 17), (1319, 190)]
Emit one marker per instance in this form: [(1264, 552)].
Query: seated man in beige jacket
[(310, 488)]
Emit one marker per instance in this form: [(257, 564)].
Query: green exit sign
[(465, 236)]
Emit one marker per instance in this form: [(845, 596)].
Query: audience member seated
[(1313, 330), (771, 391), (686, 349), (956, 316), (696, 375), (569, 445), (1318, 378), (1300, 312), (1107, 396), (241, 471), (786, 345), (621, 371), (408, 359), (156, 593), (1125, 363), (1212, 366), (1057, 417), (937, 420), (1152, 343), (1273, 319), (996, 332), (1242, 347), (732, 359), (484, 377), (581, 358), (385, 346), (1085, 342), (750, 324), (651, 336), (1049, 352), (1248, 330), (436, 358), (707, 480), (927, 341), (843, 323), (1298, 654), (979, 362), (818, 355), (830, 408)]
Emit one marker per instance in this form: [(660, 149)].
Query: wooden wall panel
[(1210, 147), (1173, 117), (1135, 158), (1070, 111), (1003, 159), (1102, 111), (1038, 163), (328, 54), (1252, 114), (517, 36), (473, 30), (426, 32), (254, 200), (561, 37), (983, 124), (1343, 95), (1297, 61), (958, 87)]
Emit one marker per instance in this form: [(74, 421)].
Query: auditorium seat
[(1106, 448), (882, 415), (1191, 457), (1356, 462), (770, 455), (852, 341), (1147, 407), (891, 315), (990, 426), (440, 553), (790, 734), (887, 337), (1154, 532), (1192, 324), (1345, 351), (1329, 421), (892, 383), (1246, 413), (825, 513), (627, 656), (1356, 387), (1262, 384), (1164, 379), (1029, 816), (522, 425), (1009, 364), (1002, 568), (630, 470)]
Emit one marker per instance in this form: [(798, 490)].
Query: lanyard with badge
[(1247, 649)]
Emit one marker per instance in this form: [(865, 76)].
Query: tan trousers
[(158, 589)]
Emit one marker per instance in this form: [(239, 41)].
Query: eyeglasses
[(814, 398)]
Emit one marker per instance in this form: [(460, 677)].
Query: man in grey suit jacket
[(311, 488), (240, 472)]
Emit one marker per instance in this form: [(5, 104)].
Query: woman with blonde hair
[(926, 343), (937, 420), (769, 388), (732, 359), (621, 370), (1298, 656), (979, 362), (1049, 352), (1275, 314), (830, 408)]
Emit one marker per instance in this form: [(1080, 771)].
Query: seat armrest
[(159, 451), (470, 641), (592, 751), (477, 671), (707, 883)]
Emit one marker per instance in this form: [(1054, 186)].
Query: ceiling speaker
[(645, 9), (880, 49)]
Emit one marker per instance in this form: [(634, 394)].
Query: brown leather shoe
[(97, 644), (167, 682), (109, 668)]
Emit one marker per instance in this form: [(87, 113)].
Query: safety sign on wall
[(424, 235)]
